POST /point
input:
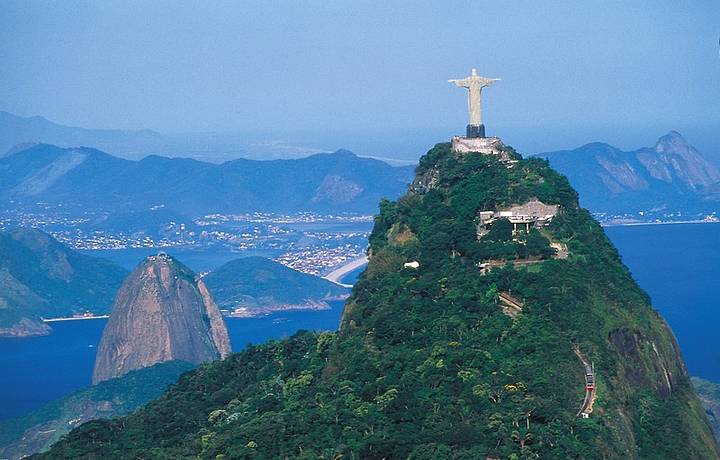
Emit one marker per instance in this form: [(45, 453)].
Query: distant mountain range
[(15, 130), (214, 147), (87, 179), (41, 277), (668, 177), (260, 285)]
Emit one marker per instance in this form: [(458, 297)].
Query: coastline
[(260, 311), (26, 327), (73, 318), (673, 222)]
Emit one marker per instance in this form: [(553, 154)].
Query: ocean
[(678, 265), (36, 370)]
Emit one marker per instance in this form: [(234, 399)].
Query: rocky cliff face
[(671, 174), (162, 313), (673, 158)]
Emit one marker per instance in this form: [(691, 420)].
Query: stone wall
[(486, 145)]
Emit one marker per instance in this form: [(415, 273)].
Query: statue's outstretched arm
[(460, 83)]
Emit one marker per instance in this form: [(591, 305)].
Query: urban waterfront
[(307, 242)]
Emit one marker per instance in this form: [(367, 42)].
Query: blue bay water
[(352, 277), (678, 265), (36, 370)]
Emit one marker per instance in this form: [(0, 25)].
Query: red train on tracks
[(589, 378)]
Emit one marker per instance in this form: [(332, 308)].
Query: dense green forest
[(427, 366)]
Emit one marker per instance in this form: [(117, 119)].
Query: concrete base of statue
[(485, 145), (475, 131)]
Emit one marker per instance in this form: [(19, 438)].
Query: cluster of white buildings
[(99, 241), (318, 261), (273, 218), (533, 214)]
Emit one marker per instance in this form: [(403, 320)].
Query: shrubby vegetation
[(426, 365)]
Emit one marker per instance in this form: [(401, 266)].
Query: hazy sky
[(572, 72)]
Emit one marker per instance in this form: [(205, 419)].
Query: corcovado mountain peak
[(495, 320)]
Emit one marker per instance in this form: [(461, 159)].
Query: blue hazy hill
[(16, 130), (37, 430), (85, 178), (41, 277), (257, 282), (671, 175)]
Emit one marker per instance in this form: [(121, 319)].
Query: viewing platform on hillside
[(533, 214), (486, 145), (483, 145)]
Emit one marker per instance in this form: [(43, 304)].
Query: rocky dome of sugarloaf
[(162, 312), (483, 327)]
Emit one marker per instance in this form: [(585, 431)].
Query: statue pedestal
[(485, 145), (475, 131)]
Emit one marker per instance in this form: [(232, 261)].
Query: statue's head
[(473, 72)]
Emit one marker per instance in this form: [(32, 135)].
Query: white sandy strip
[(336, 275), (71, 318)]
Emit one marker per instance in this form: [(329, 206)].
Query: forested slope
[(428, 365), (40, 277)]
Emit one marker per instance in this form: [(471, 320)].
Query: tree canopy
[(427, 365)]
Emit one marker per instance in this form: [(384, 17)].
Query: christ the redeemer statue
[(474, 84)]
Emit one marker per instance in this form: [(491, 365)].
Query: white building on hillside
[(533, 214)]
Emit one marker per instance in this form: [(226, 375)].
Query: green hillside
[(260, 284), (38, 430), (40, 277), (431, 363), (709, 394)]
